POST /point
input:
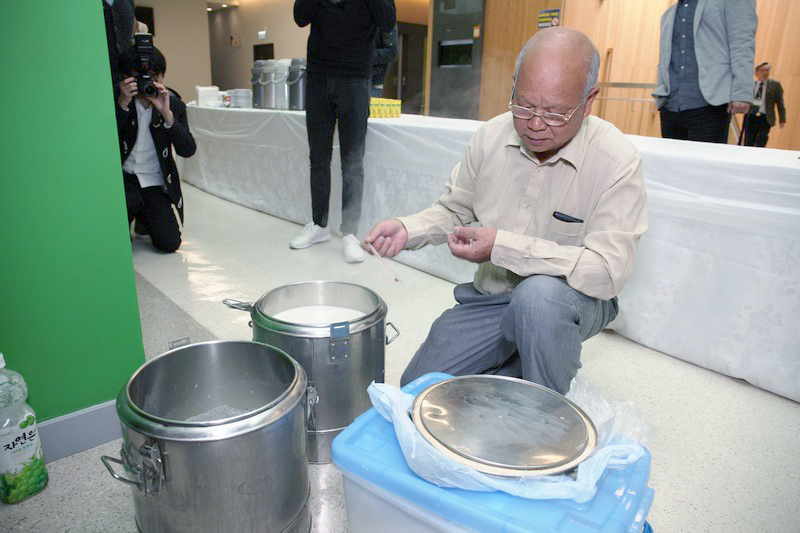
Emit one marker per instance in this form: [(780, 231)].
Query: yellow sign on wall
[(548, 18)]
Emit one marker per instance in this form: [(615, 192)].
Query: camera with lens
[(143, 46)]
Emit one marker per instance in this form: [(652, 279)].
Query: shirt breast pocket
[(561, 232)]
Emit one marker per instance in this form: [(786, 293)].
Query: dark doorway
[(263, 51), (405, 79), (457, 49)]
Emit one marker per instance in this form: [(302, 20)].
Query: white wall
[(182, 36), (231, 64)]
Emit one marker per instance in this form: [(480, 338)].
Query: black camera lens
[(150, 90)]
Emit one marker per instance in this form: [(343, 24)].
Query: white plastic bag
[(621, 436)]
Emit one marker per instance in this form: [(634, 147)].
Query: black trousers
[(331, 101), (707, 124), (151, 206), (755, 130)]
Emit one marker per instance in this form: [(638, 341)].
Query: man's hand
[(738, 107), (388, 237), (127, 90), (472, 244), (161, 102)]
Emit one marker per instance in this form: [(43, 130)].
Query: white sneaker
[(353, 253), (312, 234)]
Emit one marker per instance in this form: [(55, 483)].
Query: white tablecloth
[(717, 280)]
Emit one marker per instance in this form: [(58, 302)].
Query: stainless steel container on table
[(341, 359), (257, 83), (261, 77), (214, 440), (297, 84), (280, 84), (264, 85)]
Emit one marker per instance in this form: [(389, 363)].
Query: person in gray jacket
[(767, 95), (706, 58)]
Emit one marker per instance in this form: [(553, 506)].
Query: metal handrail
[(626, 99), (734, 125), (625, 85)]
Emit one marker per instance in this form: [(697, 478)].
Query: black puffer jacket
[(385, 53), (164, 139)]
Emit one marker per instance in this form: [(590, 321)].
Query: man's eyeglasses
[(551, 119)]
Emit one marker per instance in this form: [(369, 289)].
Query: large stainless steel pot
[(341, 359), (213, 439)]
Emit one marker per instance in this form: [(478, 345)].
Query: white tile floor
[(724, 453)]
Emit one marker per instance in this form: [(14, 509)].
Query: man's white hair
[(589, 54)]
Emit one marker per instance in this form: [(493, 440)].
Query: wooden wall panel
[(778, 41), (507, 25), (413, 11), (627, 32)]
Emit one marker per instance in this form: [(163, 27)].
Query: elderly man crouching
[(560, 202)]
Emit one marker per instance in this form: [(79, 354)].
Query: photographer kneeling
[(152, 188)]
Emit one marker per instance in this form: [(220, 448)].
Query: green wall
[(69, 321)]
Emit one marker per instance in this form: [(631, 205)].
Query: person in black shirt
[(339, 58)]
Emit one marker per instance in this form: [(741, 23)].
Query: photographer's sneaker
[(353, 253), (312, 234), (139, 231)]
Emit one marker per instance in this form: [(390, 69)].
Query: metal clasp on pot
[(312, 399), (340, 341), (149, 474)]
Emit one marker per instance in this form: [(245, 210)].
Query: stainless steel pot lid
[(504, 426)]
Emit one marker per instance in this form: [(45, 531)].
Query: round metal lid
[(504, 426)]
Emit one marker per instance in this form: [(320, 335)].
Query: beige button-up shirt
[(595, 178)]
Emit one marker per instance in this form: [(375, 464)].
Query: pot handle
[(237, 304), (150, 473), (106, 459), (396, 333)]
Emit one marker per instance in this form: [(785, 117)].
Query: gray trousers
[(534, 332)]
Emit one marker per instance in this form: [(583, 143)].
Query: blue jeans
[(534, 332), (330, 100)]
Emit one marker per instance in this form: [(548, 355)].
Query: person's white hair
[(589, 54)]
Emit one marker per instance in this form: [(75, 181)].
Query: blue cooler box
[(383, 495)]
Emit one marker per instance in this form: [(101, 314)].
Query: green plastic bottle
[(22, 470)]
